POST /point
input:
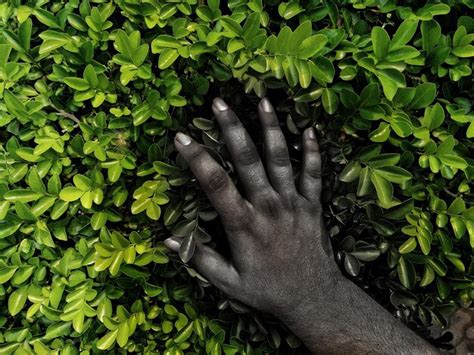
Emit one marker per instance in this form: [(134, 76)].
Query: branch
[(65, 114)]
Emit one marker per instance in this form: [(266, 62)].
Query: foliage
[(91, 95)]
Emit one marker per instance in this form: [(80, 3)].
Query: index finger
[(219, 188)]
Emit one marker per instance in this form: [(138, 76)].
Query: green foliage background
[(91, 95)]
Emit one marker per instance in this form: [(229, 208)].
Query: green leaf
[(77, 83), (424, 95), (404, 34), (291, 73), (252, 24), (311, 46), (434, 117), (98, 220), (304, 73), (153, 211), (408, 246), (465, 51), (364, 185), (231, 25), (458, 225), (458, 264), (389, 86), (351, 172), (24, 33), (394, 174), (380, 134), (71, 194), (187, 248), (22, 195), (7, 230), (6, 273), (184, 333), (438, 266), (43, 205), (117, 259), (428, 276), (17, 300), (404, 96), (91, 77), (453, 161), (428, 11), (123, 334), (57, 330), (370, 96), (24, 212), (430, 34), (46, 18), (402, 54), (384, 189), (140, 205), (380, 42), (122, 42), (406, 273), (82, 182), (366, 253), (167, 58), (424, 240), (458, 206), (330, 101), (107, 340), (322, 69), (172, 213)]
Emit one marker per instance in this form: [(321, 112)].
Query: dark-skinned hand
[(281, 258)]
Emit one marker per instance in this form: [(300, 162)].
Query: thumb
[(211, 264)]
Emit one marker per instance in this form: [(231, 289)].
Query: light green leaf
[(404, 34), (107, 340), (384, 189), (380, 42), (330, 101), (167, 58), (70, 194), (17, 300), (77, 83), (466, 51), (394, 174)]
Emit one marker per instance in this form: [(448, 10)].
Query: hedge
[(92, 93)]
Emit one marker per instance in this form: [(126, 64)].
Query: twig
[(65, 114), (450, 193)]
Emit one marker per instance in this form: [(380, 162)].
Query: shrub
[(92, 93)]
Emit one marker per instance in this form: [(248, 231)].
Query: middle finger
[(243, 151)]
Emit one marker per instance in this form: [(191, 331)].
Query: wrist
[(324, 300), (342, 319)]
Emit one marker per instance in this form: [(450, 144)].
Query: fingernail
[(220, 104), (173, 243), (311, 134), (266, 105), (183, 139)]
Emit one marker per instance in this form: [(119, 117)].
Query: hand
[(280, 249), (281, 258)]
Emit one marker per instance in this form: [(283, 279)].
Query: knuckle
[(227, 284), (314, 173), (270, 205), (291, 202), (280, 157), (272, 125), (196, 154), (247, 156), (217, 181), (231, 120)]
